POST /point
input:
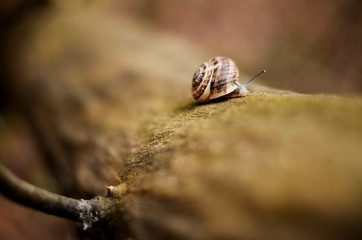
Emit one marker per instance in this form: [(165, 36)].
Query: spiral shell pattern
[(215, 78)]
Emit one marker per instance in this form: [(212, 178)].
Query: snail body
[(218, 78)]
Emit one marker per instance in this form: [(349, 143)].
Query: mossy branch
[(88, 212)]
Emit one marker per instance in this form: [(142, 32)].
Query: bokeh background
[(307, 46)]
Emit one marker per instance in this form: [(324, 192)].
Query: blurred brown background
[(306, 46)]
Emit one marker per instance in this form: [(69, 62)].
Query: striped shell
[(215, 78)]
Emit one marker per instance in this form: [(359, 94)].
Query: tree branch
[(88, 212)]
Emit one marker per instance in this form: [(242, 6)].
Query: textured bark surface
[(110, 103)]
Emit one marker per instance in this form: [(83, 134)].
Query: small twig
[(88, 212)]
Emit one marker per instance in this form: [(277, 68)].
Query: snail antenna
[(257, 75)]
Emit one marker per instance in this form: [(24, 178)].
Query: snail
[(218, 78)]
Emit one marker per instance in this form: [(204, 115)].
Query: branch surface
[(88, 212)]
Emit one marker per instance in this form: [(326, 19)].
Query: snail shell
[(216, 78)]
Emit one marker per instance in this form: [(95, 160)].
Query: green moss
[(273, 123), (286, 151)]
